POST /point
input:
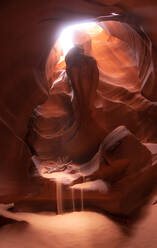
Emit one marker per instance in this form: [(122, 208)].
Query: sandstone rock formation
[(29, 31), (100, 93)]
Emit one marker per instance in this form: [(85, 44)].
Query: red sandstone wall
[(25, 41)]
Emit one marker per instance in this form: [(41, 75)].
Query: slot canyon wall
[(28, 32)]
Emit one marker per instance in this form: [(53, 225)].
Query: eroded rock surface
[(86, 103), (121, 146), (25, 44)]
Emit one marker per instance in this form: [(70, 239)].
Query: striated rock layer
[(29, 30), (94, 94)]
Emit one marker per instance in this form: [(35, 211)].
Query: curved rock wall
[(28, 31)]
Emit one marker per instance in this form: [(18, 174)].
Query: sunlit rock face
[(96, 89), (26, 41)]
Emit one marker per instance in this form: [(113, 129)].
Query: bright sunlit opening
[(66, 37)]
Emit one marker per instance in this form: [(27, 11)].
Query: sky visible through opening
[(66, 37)]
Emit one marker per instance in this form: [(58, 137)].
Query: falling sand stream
[(59, 196), (82, 200), (73, 199)]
